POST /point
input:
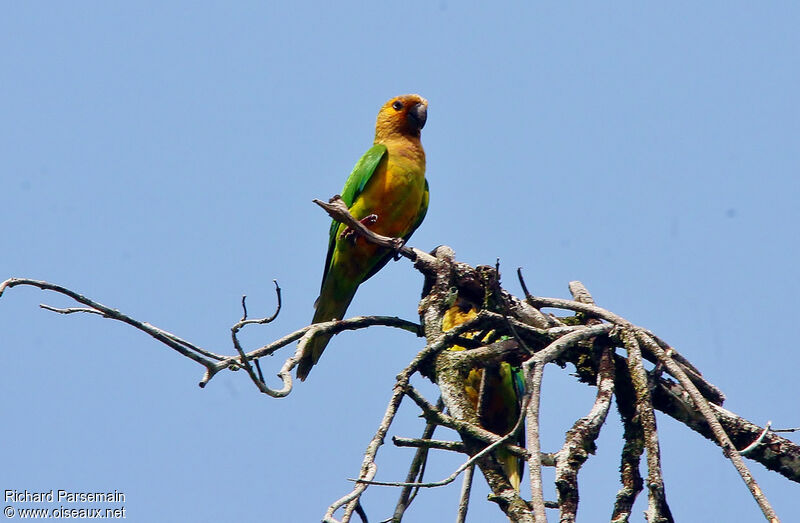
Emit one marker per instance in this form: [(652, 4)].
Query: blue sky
[(162, 159)]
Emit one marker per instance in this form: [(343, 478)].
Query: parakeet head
[(405, 114)]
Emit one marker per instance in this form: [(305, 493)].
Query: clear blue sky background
[(162, 160)]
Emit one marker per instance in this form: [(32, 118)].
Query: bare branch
[(401, 388), (533, 369), (258, 379), (703, 406), (473, 431), (422, 443), (633, 435), (338, 210), (580, 293), (714, 394), (657, 510), (586, 308), (587, 338), (305, 334), (709, 391), (555, 349), (412, 393), (215, 362), (466, 488), (533, 384), (580, 440), (416, 470), (184, 347), (368, 468)]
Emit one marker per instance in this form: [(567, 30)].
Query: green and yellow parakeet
[(495, 393), (388, 192)]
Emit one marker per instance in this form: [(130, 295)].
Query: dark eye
[(397, 105)]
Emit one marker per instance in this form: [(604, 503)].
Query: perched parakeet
[(495, 392), (388, 192)]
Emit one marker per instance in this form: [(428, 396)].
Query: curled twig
[(751, 447)]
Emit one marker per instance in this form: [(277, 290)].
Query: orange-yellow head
[(402, 115)]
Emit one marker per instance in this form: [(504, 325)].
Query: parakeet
[(495, 392), (388, 192)]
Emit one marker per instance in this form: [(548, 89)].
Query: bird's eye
[(397, 105)]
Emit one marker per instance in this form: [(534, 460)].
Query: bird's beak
[(418, 114)]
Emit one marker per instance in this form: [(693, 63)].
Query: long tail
[(502, 391), (332, 303)]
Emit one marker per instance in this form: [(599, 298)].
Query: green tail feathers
[(311, 355), (501, 397), (328, 307)]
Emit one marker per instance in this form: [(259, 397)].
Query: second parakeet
[(495, 393)]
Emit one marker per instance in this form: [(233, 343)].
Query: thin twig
[(69, 310), (540, 318), (412, 393), (261, 321), (205, 357), (184, 347), (533, 385), (258, 379), (463, 427), (416, 469), (424, 443), (305, 334), (751, 447), (401, 388), (368, 467), (466, 488), (714, 394), (709, 391), (522, 283)]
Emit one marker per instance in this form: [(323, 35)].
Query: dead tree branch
[(657, 508), (506, 330), (580, 440)]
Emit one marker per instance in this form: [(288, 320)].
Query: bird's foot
[(349, 233), (397, 244)]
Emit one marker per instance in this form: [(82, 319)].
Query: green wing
[(423, 210), (362, 172), (355, 183)]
